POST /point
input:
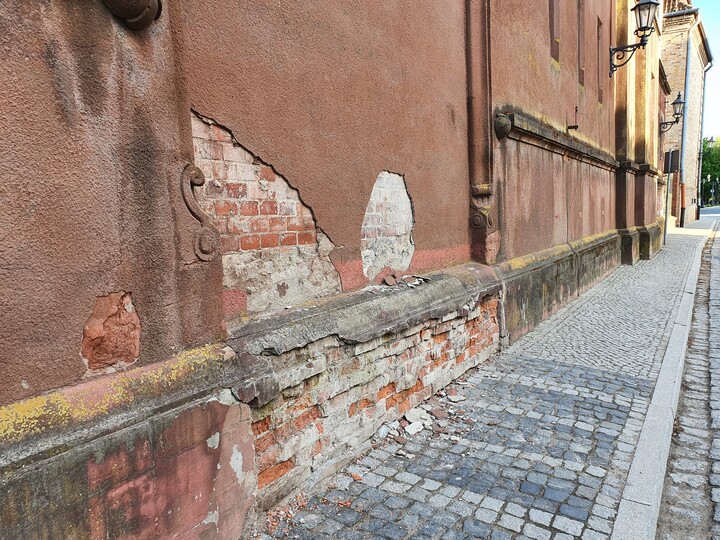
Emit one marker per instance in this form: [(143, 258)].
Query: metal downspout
[(683, 203), (702, 123)]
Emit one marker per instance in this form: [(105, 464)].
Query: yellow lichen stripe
[(98, 397)]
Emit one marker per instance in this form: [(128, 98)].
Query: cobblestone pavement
[(692, 485), (535, 443)]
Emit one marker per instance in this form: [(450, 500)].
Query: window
[(555, 29)]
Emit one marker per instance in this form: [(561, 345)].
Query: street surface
[(537, 442), (692, 485)]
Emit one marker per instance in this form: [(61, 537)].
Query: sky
[(710, 15)]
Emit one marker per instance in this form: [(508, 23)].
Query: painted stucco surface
[(92, 156), (331, 94)]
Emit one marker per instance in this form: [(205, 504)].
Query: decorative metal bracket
[(619, 55), (665, 126), (207, 244)]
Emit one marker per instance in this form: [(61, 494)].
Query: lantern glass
[(678, 106), (645, 16), (711, 144)]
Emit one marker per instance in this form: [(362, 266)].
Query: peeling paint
[(236, 463), (214, 440), (212, 517)]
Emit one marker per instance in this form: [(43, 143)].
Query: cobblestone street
[(537, 442)]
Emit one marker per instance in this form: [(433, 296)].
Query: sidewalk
[(535, 443), (692, 485)]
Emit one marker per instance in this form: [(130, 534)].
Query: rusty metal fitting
[(137, 14)]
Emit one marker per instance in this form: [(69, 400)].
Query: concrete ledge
[(650, 241), (538, 284), (640, 503)]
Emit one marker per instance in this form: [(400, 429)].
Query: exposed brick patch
[(386, 234), (324, 419), (273, 254), (271, 474), (111, 336)]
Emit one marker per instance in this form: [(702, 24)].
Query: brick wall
[(674, 55), (386, 233), (334, 397), (273, 253)]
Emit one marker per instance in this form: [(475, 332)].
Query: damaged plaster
[(111, 336), (273, 253), (386, 234)]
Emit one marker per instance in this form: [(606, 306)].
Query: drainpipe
[(702, 123), (683, 203)]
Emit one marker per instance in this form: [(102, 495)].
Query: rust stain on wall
[(111, 336)]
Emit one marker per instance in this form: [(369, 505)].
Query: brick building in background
[(235, 242), (686, 56)]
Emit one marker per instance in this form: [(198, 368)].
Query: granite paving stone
[(542, 444)]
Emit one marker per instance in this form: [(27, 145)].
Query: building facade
[(239, 240), (687, 57)]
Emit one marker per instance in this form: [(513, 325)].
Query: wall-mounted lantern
[(678, 108), (644, 12)]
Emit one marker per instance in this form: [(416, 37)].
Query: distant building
[(686, 56)]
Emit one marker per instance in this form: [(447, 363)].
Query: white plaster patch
[(236, 463), (386, 233), (214, 440), (212, 517), (282, 277)]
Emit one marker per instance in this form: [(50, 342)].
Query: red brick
[(278, 224), (216, 151), (219, 170), (259, 225), (266, 173), (250, 242), (308, 223), (295, 224), (268, 208), (306, 237), (261, 426), (248, 208), (265, 460), (359, 406), (385, 391), (288, 239), (269, 240), (317, 448), (225, 208), (265, 442), (268, 476), (219, 134), (236, 190)]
